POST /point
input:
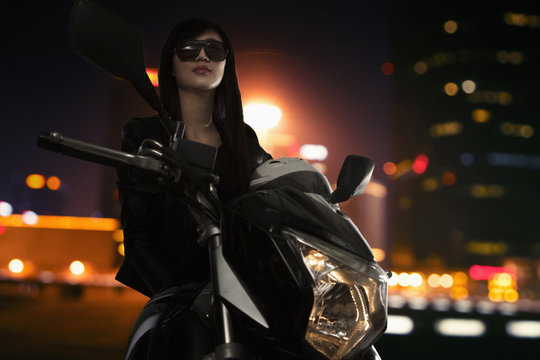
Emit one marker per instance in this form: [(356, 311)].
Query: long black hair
[(227, 111)]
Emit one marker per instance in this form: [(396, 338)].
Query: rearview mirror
[(353, 178), (112, 44)]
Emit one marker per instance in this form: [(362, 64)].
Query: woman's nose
[(202, 56)]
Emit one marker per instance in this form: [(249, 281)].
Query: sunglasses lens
[(189, 50), (216, 51)]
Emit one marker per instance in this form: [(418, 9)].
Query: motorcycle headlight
[(350, 297)]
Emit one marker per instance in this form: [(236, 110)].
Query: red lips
[(201, 69)]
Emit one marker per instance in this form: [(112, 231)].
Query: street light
[(261, 116)]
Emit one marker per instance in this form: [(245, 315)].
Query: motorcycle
[(291, 275)]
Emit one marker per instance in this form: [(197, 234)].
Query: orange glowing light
[(511, 295), (387, 68), (121, 249), (459, 293), (35, 181), (153, 75), (53, 183), (449, 178), (389, 168), (379, 254), (63, 222)]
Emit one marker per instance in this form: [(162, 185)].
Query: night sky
[(319, 61)]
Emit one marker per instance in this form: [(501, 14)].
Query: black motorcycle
[(291, 275)]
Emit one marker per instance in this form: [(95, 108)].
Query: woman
[(198, 86)]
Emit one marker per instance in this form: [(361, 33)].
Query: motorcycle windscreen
[(287, 206)]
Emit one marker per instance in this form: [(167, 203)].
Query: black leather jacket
[(159, 233)]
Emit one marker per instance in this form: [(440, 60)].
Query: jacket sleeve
[(140, 218)]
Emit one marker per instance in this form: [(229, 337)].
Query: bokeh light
[(468, 86), (451, 89), (35, 181), (420, 164), (16, 266), (387, 68), (77, 267), (5, 209), (261, 116), (389, 168), (450, 27), (313, 152), (447, 281), (29, 217), (53, 183)]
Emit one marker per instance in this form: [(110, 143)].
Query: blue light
[(467, 159)]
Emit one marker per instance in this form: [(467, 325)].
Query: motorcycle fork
[(227, 348)]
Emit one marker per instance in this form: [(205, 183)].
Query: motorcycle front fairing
[(270, 237)]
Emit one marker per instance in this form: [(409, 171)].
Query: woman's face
[(200, 73)]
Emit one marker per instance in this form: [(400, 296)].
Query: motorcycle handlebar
[(56, 142)]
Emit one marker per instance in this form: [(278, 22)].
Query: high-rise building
[(466, 104)]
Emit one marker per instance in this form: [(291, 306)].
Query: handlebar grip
[(51, 141), (56, 142)]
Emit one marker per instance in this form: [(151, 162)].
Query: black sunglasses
[(190, 49)]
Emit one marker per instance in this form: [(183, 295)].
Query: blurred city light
[(481, 115), (393, 280), (529, 329), (416, 280), (460, 327), (450, 27), (468, 86), (77, 267), (451, 89), (387, 68), (29, 217), (62, 222), (448, 128), (482, 272), (434, 280), (376, 189), (46, 277), (404, 279), (262, 116), (5, 209), (430, 184), (379, 254), (313, 152), (399, 325), (449, 178), (16, 266), (420, 164), (35, 181), (53, 183), (118, 235), (389, 168), (467, 159), (420, 67), (447, 281)]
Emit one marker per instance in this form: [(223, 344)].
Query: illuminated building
[(465, 94)]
